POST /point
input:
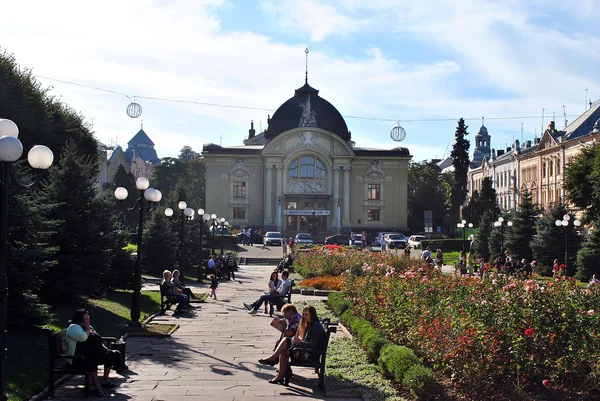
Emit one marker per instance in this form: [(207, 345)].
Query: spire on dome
[(306, 65)]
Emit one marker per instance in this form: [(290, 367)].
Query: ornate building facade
[(537, 167), (305, 174)]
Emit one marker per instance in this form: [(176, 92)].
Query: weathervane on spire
[(306, 65)]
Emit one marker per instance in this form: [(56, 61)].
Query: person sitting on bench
[(182, 287), (183, 300), (82, 339), (310, 334), (282, 291)]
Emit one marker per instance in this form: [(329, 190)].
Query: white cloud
[(180, 50)]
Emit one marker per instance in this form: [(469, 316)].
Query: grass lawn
[(27, 362), (450, 258)]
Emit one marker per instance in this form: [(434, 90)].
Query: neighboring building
[(303, 173), (141, 167), (143, 147), (538, 167), (111, 157)]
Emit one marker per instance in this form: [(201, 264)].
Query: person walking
[(251, 236), (284, 248), (230, 265)]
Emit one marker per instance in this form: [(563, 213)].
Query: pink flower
[(424, 279), (512, 285), (545, 382), (494, 282), (591, 312), (529, 282), (529, 332), (410, 293), (420, 269), (505, 288)]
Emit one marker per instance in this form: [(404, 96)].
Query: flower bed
[(496, 333), (333, 283)]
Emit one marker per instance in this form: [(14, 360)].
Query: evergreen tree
[(125, 180), (483, 235), (588, 257), (497, 240), (548, 243), (460, 161), (159, 244), (29, 255), (519, 238), (83, 255)]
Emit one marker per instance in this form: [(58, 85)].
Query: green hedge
[(394, 360), (421, 382), (338, 303), (446, 245)]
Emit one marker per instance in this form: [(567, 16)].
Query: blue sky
[(379, 59)]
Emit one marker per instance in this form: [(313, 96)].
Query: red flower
[(545, 382), (529, 332)]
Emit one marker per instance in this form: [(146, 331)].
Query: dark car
[(338, 239)]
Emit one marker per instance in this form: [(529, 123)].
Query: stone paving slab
[(213, 355)]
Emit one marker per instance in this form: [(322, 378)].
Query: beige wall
[(266, 177)]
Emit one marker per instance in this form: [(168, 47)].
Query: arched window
[(307, 167)]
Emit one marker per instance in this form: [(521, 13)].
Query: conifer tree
[(160, 244), (83, 254), (518, 239), (548, 243), (483, 235), (588, 257), (460, 162), (124, 179)]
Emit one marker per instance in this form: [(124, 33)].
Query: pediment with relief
[(374, 172), (241, 170)]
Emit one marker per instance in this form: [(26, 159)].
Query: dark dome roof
[(307, 109)]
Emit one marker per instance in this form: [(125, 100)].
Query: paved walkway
[(212, 356)]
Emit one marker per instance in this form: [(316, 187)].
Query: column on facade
[(336, 195), (278, 194), (268, 194), (346, 200)]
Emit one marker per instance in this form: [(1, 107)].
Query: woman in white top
[(82, 339)]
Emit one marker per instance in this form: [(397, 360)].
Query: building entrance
[(307, 216)]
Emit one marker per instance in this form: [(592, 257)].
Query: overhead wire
[(231, 106)]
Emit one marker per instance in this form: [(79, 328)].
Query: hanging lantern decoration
[(134, 110), (398, 133)]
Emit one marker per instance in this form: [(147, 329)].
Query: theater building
[(305, 174)]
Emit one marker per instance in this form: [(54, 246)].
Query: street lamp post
[(39, 157), (204, 217), (565, 223), (500, 224), (223, 224), (152, 197), (214, 229), (186, 214), (463, 225)]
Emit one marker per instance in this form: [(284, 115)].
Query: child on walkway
[(214, 283)]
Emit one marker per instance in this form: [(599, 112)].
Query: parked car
[(219, 230), (415, 241), (337, 239), (272, 238), (357, 240), (303, 239), (394, 241), (379, 237)]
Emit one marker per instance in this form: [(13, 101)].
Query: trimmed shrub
[(374, 342), (395, 360), (338, 303), (421, 382)]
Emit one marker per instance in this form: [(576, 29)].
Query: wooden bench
[(318, 363), (61, 363), (166, 299), (280, 300)]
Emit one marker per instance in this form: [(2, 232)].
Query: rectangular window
[(239, 189), (239, 213), (373, 215), (374, 191)]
